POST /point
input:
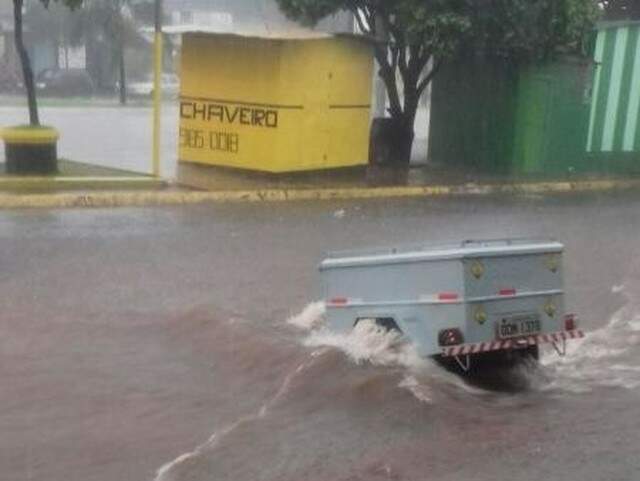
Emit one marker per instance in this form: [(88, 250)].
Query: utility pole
[(157, 88)]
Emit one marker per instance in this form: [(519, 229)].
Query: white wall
[(380, 103)]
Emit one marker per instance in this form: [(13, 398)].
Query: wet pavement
[(153, 343), (112, 136), (106, 135)]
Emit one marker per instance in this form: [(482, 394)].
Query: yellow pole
[(157, 89)]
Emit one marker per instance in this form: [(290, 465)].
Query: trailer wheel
[(387, 323), (532, 353), (492, 361), (504, 373), (508, 359)]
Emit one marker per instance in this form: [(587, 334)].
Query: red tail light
[(450, 337), (507, 292), (570, 322)]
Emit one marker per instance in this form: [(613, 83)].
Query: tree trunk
[(390, 142), (123, 83), (398, 131), (27, 72), (400, 134), (401, 137)]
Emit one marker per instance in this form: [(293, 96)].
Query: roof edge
[(291, 35), (605, 24)]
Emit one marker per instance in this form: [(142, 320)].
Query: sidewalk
[(421, 175), (80, 185), (77, 176)]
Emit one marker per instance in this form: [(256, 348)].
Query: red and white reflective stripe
[(448, 296), (342, 301), (475, 348), (338, 301)]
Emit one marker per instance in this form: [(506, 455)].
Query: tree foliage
[(108, 23), (72, 4), (104, 27), (533, 30), (25, 62), (414, 37), (621, 9), (53, 23)]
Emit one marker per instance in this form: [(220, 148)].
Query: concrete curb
[(79, 182), (151, 198)]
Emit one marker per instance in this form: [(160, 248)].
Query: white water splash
[(604, 358), (368, 342), (311, 317), (373, 344), (617, 288)]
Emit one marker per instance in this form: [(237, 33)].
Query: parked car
[(65, 83), (170, 86)]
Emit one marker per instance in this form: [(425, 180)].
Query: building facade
[(256, 16), (614, 122)]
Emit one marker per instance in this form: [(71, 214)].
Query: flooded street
[(187, 344)]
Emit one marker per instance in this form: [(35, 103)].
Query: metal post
[(157, 88)]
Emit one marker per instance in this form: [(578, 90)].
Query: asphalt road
[(138, 339)]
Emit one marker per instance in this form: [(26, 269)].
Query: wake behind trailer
[(460, 301)]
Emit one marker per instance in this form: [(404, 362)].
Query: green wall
[(551, 118), (495, 117), (472, 113)]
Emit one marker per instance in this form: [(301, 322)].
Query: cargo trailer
[(472, 300)]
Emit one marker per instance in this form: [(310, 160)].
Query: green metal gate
[(614, 126), (551, 117), (497, 117)]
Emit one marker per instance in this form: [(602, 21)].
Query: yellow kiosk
[(275, 104)]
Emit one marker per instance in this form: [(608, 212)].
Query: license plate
[(518, 326)]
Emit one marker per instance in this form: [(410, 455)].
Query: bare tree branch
[(389, 78), (422, 85), (361, 23), (395, 53), (403, 59), (416, 63)]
